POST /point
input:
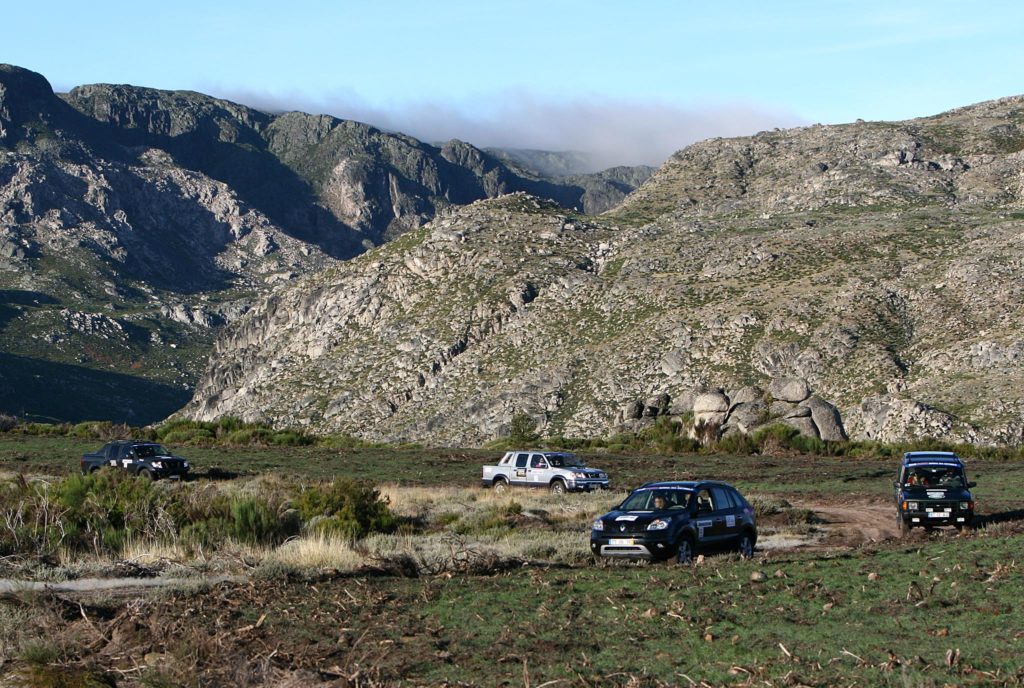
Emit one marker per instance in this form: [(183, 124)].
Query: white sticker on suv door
[(730, 521), (701, 525)]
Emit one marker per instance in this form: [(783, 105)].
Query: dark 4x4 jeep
[(666, 519), (932, 490)]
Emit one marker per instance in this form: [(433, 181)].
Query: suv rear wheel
[(746, 545)]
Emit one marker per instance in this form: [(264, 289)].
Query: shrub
[(252, 521), (7, 423), (737, 443), (346, 507), (523, 430)]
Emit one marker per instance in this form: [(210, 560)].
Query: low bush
[(104, 511), (345, 507)]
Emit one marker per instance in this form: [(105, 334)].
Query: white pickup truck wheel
[(500, 486), (557, 487)]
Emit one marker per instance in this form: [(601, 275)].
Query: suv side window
[(703, 501), (521, 460), (737, 499), (721, 499)]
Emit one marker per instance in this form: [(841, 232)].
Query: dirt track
[(857, 524)]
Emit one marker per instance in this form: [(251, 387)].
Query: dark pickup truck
[(144, 459)]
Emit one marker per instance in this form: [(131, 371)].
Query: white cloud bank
[(612, 132)]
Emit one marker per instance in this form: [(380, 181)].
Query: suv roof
[(690, 484), (933, 457)]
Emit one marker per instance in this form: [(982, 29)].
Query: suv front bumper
[(649, 545)]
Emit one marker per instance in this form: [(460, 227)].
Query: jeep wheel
[(500, 486), (684, 551), (746, 546), (904, 526), (146, 473), (558, 487)]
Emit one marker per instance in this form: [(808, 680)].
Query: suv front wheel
[(684, 551)]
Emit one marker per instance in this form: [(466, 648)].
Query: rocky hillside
[(879, 265), (136, 222)]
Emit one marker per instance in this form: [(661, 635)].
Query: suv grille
[(627, 527)]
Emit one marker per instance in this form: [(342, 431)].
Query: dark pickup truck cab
[(144, 459)]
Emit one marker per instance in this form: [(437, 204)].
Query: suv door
[(728, 511), (704, 517)]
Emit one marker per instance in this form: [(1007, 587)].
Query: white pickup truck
[(555, 471)]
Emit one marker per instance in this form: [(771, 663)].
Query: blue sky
[(629, 80)]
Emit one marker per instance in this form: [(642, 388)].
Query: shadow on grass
[(56, 392), (999, 517)]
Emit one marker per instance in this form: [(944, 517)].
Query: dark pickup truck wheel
[(146, 473)]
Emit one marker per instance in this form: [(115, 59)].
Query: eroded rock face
[(876, 262), (172, 211)]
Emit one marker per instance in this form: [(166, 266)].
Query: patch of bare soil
[(856, 525)]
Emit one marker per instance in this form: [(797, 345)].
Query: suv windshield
[(565, 461), (935, 476), (645, 499)]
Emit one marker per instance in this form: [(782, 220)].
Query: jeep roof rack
[(932, 457)]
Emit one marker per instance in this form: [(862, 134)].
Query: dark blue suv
[(932, 490), (676, 519)]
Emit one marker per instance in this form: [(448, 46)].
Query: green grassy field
[(932, 610), (1000, 481)]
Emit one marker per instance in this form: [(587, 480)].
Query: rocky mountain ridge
[(156, 217), (879, 264)]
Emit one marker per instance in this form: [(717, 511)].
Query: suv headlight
[(158, 464), (577, 474), (912, 506), (598, 525), (660, 524)]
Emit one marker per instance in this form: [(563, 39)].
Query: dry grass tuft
[(319, 551)]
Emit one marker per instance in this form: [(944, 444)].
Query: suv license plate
[(938, 514), (620, 541)]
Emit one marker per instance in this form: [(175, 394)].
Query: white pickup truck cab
[(557, 472)]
